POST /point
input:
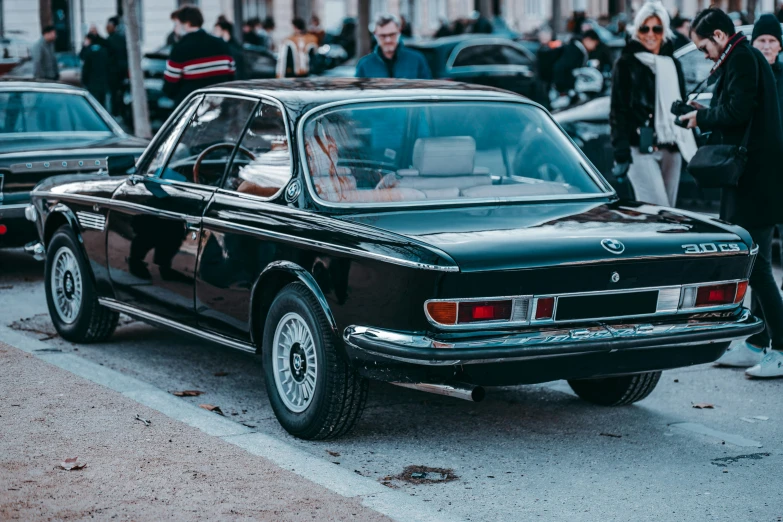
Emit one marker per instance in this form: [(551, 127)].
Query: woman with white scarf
[(646, 80)]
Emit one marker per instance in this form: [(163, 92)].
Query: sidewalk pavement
[(165, 471)]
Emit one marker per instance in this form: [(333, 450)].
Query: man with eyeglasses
[(745, 101), (391, 59)]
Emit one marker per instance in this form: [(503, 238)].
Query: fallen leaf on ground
[(221, 374), (72, 464), (761, 418), (333, 453), (423, 475), (209, 407), (704, 406), (188, 393), (611, 435), (145, 421)]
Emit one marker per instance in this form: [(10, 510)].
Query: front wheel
[(616, 391), (70, 292), (314, 393)]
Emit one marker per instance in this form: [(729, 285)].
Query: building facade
[(20, 19)]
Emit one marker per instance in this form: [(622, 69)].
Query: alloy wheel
[(66, 284), (295, 362)]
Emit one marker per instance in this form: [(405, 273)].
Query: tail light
[(476, 311), (3, 230), (451, 313), (708, 296), (443, 312), (545, 308)]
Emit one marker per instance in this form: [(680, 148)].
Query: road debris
[(72, 464), (145, 421), (421, 475), (613, 435), (724, 461), (333, 453), (704, 406), (39, 324), (213, 409), (188, 393), (220, 374), (761, 418)]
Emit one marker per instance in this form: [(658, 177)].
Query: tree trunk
[(557, 17), (362, 34), (45, 13), (752, 11), (141, 115)]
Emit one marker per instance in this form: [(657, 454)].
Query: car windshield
[(376, 153), (23, 113)]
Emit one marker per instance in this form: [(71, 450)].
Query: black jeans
[(766, 301)]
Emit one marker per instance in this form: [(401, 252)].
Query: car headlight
[(30, 213)]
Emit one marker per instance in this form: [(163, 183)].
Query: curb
[(394, 504)]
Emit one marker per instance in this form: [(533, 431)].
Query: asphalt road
[(525, 452)]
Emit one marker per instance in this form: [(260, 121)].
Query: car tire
[(70, 292), (616, 391), (319, 396)]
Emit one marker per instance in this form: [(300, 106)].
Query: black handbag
[(721, 166)]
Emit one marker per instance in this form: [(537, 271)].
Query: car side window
[(490, 55), (262, 164), (155, 165), (209, 140)]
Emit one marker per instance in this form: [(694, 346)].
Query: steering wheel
[(212, 148)]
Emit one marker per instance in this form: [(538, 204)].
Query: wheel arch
[(60, 215), (273, 279)]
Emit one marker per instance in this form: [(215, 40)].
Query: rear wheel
[(616, 391), (315, 395), (70, 292)]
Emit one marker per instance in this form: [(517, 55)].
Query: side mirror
[(120, 165)]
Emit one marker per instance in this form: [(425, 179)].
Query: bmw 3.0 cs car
[(439, 236)]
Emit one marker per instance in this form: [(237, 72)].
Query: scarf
[(667, 91)]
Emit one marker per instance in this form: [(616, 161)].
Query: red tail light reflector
[(443, 312), (545, 308), (716, 295), (3, 230), (476, 311), (742, 288)]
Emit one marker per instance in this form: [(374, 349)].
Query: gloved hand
[(620, 171)]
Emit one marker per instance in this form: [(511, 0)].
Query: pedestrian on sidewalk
[(574, 55), (225, 30), (118, 63), (44, 60), (198, 60), (746, 95), (296, 52), (391, 59), (646, 80), (95, 68)]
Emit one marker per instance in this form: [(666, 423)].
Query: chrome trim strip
[(91, 220), (15, 206), (754, 250), (162, 321), (326, 246), (110, 203), (660, 311), (589, 169)]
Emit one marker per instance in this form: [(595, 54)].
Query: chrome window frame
[(590, 169), (534, 298)]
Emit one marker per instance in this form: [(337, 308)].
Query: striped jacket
[(197, 60)]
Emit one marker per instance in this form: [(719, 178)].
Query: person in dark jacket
[(682, 28), (746, 95), (767, 39), (225, 30), (646, 81), (118, 63), (95, 69), (198, 60), (575, 55), (391, 59)]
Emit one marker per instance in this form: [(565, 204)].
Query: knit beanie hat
[(767, 24)]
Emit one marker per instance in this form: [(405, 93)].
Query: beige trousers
[(655, 177)]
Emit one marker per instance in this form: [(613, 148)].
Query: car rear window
[(386, 153)]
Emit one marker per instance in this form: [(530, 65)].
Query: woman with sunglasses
[(646, 80)]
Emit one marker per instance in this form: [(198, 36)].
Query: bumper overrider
[(658, 345)]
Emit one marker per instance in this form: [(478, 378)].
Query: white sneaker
[(770, 366), (741, 355)]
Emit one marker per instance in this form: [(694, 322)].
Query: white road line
[(394, 504)]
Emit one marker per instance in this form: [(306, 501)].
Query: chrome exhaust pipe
[(460, 390)]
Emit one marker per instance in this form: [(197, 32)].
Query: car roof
[(24, 84), (302, 93), (453, 40)]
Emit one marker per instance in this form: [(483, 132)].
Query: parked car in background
[(436, 235), (12, 53), (70, 69), (49, 129)]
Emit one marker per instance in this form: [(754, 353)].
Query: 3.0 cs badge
[(435, 235)]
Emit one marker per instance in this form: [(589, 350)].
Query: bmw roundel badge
[(613, 246), (615, 277)]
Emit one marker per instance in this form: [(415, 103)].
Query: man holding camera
[(745, 112)]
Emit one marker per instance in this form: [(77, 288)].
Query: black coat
[(573, 57), (633, 97), (118, 59), (95, 71), (738, 97), (777, 72)]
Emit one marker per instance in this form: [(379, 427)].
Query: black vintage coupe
[(435, 235), (49, 129)]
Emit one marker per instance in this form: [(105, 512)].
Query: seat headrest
[(452, 156)]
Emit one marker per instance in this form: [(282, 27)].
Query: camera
[(680, 108)]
